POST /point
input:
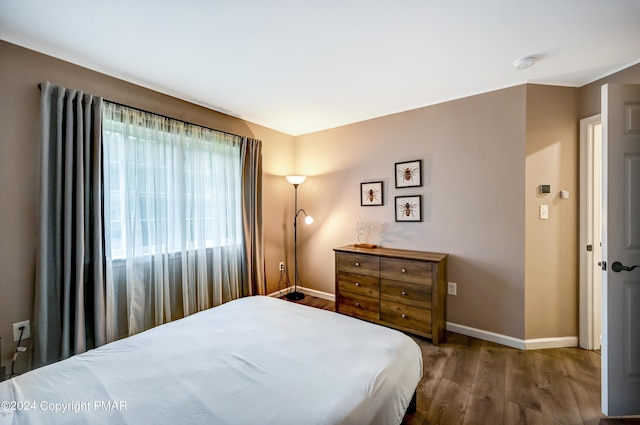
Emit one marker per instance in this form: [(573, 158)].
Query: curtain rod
[(164, 116)]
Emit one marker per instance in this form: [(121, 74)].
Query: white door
[(590, 232), (621, 249)]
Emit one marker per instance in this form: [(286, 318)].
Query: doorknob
[(618, 267)]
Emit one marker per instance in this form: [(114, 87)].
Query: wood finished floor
[(470, 381)]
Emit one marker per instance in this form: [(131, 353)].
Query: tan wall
[(20, 72), (589, 95), (473, 153), (483, 157), (551, 266)]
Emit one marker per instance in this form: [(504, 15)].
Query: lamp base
[(295, 296)]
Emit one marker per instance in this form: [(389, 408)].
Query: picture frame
[(408, 173), (371, 194), (408, 208)]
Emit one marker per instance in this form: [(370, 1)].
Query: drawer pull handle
[(404, 316), (357, 264), (404, 293), (357, 304), (357, 283), (404, 270)]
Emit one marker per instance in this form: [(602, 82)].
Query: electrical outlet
[(281, 266), (16, 330), (452, 288)]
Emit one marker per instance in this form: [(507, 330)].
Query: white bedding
[(253, 361)]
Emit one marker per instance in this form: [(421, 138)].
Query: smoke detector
[(524, 63)]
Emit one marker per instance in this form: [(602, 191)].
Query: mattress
[(255, 360)]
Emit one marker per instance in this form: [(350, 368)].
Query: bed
[(256, 361)]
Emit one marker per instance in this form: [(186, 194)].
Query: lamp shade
[(296, 179)]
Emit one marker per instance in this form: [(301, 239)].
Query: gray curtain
[(253, 279), (69, 310)]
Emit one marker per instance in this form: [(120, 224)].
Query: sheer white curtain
[(173, 219)]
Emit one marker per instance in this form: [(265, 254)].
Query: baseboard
[(521, 344), (278, 294), (318, 294), (557, 342), (307, 291), (509, 341)]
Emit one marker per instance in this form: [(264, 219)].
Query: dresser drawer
[(358, 264), (406, 316), (406, 293), (398, 288), (358, 306), (406, 270), (359, 284)]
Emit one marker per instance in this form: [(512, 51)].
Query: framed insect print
[(371, 193), (409, 174), (409, 208)]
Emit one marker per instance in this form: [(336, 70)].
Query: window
[(169, 186)]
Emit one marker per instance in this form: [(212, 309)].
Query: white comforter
[(256, 360)]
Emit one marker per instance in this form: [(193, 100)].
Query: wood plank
[(582, 370), (315, 302), (587, 394), (484, 410), (596, 359), (434, 361), (574, 353), (584, 378), (515, 414), (558, 401), (520, 383), (486, 403), (578, 364), (461, 366), (555, 352), (489, 379), (449, 404)]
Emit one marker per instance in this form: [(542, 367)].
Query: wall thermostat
[(545, 188)]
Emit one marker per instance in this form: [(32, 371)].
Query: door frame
[(590, 204)]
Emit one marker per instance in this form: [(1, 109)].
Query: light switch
[(564, 194), (544, 212)]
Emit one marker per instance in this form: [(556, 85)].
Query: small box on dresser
[(401, 289)]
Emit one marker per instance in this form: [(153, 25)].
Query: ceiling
[(300, 66)]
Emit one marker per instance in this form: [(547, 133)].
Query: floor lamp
[(297, 181)]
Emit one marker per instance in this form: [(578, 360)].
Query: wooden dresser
[(401, 289)]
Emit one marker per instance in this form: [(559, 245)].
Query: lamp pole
[(295, 295)]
